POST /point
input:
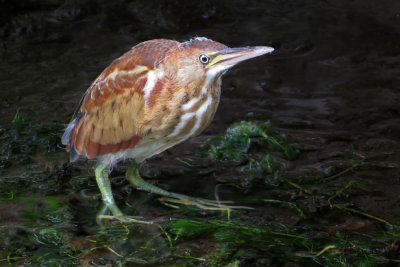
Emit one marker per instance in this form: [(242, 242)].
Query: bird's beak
[(229, 57)]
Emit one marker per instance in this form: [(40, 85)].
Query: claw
[(133, 176), (124, 219), (202, 203)]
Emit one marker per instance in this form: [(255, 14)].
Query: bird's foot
[(170, 198), (123, 219), (201, 203)]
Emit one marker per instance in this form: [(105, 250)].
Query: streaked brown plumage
[(153, 97)]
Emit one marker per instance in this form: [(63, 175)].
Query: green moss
[(233, 232), (25, 139), (49, 237), (233, 147)]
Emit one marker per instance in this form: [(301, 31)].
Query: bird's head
[(202, 60)]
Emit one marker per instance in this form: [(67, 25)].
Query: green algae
[(233, 146)]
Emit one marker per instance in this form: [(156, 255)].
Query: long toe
[(124, 219), (201, 203)]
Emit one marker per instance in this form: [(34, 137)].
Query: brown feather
[(113, 106), (155, 93), (119, 109)]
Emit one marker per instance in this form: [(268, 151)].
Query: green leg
[(105, 188), (133, 176), (104, 185)]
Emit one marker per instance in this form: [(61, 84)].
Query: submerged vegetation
[(301, 215), (233, 147)]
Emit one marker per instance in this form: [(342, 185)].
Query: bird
[(158, 94)]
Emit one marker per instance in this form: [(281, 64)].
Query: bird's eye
[(203, 59)]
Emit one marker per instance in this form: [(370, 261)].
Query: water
[(331, 87)]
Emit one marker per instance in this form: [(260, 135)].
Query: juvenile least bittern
[(156, 95)]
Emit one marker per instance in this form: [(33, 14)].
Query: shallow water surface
[(316, 154)]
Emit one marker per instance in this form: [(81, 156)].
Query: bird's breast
[(187, 115), (197, 112)]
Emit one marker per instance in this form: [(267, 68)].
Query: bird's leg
[(104, 185), (133, 176)]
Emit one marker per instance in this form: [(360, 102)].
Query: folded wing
[(110, 114)]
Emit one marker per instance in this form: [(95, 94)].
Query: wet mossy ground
[(308, 218), (307, 136)]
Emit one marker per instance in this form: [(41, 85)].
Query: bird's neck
[(213, 86)]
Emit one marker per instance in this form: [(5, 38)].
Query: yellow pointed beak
[(229, 57)]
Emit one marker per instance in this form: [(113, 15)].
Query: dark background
[(335, 64)]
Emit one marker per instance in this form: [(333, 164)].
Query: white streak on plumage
[(117, 72), (149, 86), (203, 108), (182, 123), (213, 73), (152, 78), (199, 115), (211, 76), (190, 104)]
